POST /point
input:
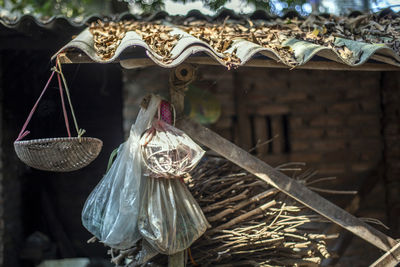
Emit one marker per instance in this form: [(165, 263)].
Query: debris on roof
[(292, 40), (108, 36)]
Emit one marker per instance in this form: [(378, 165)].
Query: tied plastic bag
[(168, 152), (111, 210), (170, 218)]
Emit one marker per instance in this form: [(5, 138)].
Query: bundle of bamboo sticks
[(253, 224)]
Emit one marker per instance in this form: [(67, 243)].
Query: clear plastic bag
[(111, 210), (168, 152), (145, 253), (170, 218)]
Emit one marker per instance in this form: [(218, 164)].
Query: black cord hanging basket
[(63, 154)]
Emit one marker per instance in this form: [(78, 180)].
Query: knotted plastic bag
[(168, 152), (111, 210), (170, 218)]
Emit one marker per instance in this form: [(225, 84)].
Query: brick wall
[(391, 108), (333, 118), (330, 120)]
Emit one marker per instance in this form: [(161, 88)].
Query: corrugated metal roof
[(57, 25), (188, 46), (27, 23), (238, 53)]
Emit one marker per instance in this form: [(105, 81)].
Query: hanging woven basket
[(63, 154), (58, 154)]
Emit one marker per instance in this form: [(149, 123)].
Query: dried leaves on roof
[(221, 36), (320, 30), (368, 28), (108, 36)]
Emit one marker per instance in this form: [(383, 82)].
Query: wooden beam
[(179, 80), (266, 63), (285, 184), (177, 260), (243, 119), (77, 57), (385, 59), (340, 245), (261, 133), (277, 131), (389, 259)]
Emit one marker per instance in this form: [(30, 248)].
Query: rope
[(24, 133), (63, 105), (79, 131), (57, 69)]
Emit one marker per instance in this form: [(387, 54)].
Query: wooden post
[(261, 133), (179, 80), (285, 184), (340, 245), (243, 121), (277, 130)]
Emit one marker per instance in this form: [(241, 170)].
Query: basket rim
[(55, 139)]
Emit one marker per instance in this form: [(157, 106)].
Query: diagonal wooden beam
[(285, 184), (389, 259)]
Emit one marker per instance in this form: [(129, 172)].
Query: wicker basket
[(58, 154)]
